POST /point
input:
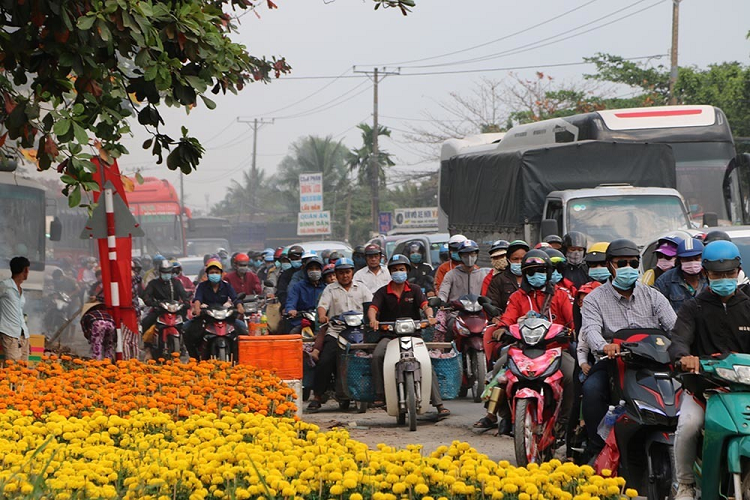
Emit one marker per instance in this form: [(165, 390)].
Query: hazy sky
[(327, 39)]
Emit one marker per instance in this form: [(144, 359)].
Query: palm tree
[(371, 170)]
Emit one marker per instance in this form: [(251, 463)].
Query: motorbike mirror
[(491, 310), (55, 229), (434, 302), (268, 283), (483, 300), (241, 296)]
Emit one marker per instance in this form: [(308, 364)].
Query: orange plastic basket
[(279, 353)]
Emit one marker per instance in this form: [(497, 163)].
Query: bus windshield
[(22, 224), (163, 234), (637, 218)]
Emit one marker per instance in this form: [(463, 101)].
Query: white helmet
[(456, 240)]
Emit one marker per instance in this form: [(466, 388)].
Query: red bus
[(156, 206)]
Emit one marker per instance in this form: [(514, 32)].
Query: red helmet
[(242, 258), (277, 253)]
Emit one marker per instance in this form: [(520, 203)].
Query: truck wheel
[(411, 400), (479, 367)]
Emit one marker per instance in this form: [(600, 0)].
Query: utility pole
[(675, 33), (256, 124), (376, 77), (182, 211)]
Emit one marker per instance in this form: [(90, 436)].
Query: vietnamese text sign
[(311, 192), (313, 223), (415, 217), (386, 222)]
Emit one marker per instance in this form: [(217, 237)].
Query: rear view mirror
[(55, 229), (548, 227), (710, 219), (492, 311), (268, 283), (484, 300), (191, 225), (434, 302), (241, 296)]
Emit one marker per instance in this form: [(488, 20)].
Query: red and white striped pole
[(114, 286)]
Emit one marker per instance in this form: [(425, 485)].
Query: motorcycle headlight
[(532, 335), (470, 305), (739, 375), (404, 326), (642, 406), (353, 319), (462, 330)]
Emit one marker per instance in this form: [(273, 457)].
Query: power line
[(326, 105), (535, 45), (321, 89), (519, 32)]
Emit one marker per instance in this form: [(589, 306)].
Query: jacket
[(421, 274), (458, 282), (705, 326), (578, 275), (672, 285), (304, 296), (521, 302), (442, 270), (282, 285), (501, 287), (159, 290), (249, 284)]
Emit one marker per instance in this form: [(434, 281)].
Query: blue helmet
[(689, 247), (721, 255), (468, 246), (444, 249), (344, 263)]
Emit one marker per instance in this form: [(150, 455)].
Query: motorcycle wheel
[(525, 440), (361, 407), (344, 404), (173, 344), (411, 400), (479, 367), (401, 419), (306, 393), (662, 458), (222, 354), (744, 480)]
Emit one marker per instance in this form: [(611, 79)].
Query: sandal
[(485, 423), (378, 404), (442, 411), (314, 406)]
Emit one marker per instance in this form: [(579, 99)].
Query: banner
[(415, 217), (314, 223), (385, 222), (311, 192)]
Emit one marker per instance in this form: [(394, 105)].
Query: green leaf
[(147, 143), (61, 126), (139, 178), (199, 84), (80, 133), (78, 108), (85, 23), (91, 186), (104, 32), (208, 102), (66, 179), (75, 197)]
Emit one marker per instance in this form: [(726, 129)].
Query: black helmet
[(622, 248), (553, 238), (295, 251), (498, 246), (334, 256), (575, 239), (553, 254), (359, 249), (536, 258), (314, 260), (517, 245), (397, 258), (165, 266), (716, 235), (373, 249), (325, 254)]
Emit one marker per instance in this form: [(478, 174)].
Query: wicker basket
[(448, 372), (359, 378)]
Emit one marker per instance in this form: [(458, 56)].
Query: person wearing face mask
[(396, 300), (301, 274), (556, 278), (165, 287), (687, 278), (243, 280), (596, 262), (714, 322), (506, 282), (622, 302), (499, 258), (186, 282), (665, 253), (294, 254), (574, 245), (304, 295), (454, 243), (538, 294), (466, 278), (421, 273), (153, 273)]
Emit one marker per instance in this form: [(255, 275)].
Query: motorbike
[(308, 341), (58, 306), (468, 328), (644, 434), (722, 469), (219, 339), (168, 328)]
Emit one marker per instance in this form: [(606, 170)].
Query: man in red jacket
[(241, 280)]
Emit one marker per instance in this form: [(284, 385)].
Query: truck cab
[(612, 211)]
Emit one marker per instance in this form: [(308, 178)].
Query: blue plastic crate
[(359, 378), (448, 372)]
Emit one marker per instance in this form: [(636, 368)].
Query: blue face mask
[(723, 287), (600, 274), (515, 268), (214, 278), (277, 263), (166, 276), (625, 278), (296, 264), (454, 256), (556, 277), (258, 263), (416, 258), (398, 276), (537, 280), (286, 265)]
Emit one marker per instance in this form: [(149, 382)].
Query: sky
[(327, 38)]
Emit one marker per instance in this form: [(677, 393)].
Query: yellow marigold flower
[(631, 493)]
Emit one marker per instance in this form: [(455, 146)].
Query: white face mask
[(469, 259)]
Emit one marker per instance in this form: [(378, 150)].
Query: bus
[(700, 138), (156, 206)]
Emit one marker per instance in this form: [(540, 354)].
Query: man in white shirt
[(13, 330), (375, 275)]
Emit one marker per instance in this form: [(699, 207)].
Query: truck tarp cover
[(508, 188)]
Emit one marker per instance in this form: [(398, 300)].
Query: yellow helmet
[(597, 252)]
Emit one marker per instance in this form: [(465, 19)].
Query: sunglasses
[(665, 257), (630, 262)]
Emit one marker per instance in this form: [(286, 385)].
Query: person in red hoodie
[(537, 293), (187, 283), (242, 280)]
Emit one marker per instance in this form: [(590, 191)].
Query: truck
[(605, 190)]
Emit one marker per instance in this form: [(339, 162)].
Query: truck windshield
[(22, 224), (163, 234), (637, 218)]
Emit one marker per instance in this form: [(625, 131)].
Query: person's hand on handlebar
[(315, 355), (585, 368), (690, 364), (374, 324), (322, 319), (432, 321), (498, 334), (292, 313), (611, 350)]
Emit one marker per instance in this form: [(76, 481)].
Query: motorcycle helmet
[(535, 261), (278, 252), (553, 238), (399, 259), (214, 263), (344, 263), (516, 245), (158, 258), (324, 255), (556, 257), (359, 250), (468, 246), (443, 253), (314, 259), (499, 248), (328, 269), (597, 253), (574, 239), (165, 266), (455, 241), (176, 266), (622, 248), (333, 256), (295, 252), (373, 249), (716, 235), (689, 247), (721, 256)]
